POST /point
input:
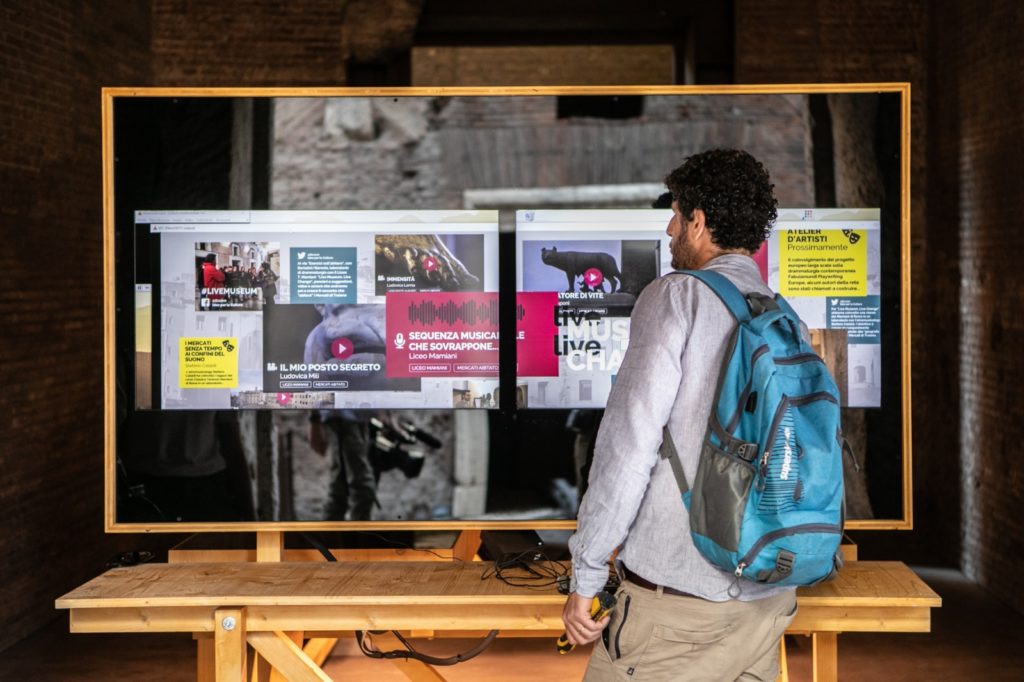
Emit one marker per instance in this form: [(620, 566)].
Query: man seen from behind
[(677, 617)]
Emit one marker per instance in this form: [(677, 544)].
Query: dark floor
[(973, 637)]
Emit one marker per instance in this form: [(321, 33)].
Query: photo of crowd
[(236, 275)]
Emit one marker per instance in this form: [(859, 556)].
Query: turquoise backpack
[(767, 501)]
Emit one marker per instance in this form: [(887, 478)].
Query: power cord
[(419, 656), (531, 569), (410, 652)]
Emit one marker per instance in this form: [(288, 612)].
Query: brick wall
[(962, 60), (831, 41), (250, 43), (266, 43), (977, 58), (54, 57)]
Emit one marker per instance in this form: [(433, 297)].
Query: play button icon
[(430, 264), (342, 348), (592, 277)]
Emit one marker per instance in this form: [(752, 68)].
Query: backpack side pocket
[(719, 496)]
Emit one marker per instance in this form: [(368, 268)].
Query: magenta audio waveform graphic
[(520, 312), (470, 312)]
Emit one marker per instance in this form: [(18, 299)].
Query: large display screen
[(316, 309), (578, 275), (301, 285)]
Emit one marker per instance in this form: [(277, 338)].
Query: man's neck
[(712, 254)]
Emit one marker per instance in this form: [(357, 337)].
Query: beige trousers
[(657, 636)]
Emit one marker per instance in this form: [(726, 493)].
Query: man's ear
[(699, 222)]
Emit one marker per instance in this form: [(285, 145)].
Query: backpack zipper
[(745, 394), (781, 533), (777, 419), (798, 358)]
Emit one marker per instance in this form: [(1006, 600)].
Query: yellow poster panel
[(823, 262), (208, 362)]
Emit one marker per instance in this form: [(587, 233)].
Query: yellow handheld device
[(600, 606)]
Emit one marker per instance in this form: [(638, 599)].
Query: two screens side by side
[(399, 309)]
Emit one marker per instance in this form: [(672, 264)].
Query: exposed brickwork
[(968, 149), (979, 54), (248, 43), (54, 57), (803, 41), (544, 65)]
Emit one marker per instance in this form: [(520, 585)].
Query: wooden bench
[(258, 604)]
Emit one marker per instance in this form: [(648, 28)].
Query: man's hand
[(579, 626)]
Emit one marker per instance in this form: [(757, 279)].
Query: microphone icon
[(399, 341)]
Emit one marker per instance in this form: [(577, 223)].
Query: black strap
[(668, 451)]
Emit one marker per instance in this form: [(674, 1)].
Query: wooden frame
[(107, 112)]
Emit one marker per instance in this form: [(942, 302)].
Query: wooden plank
[(864, 583), (783, 664), (205, 659), (230, 645), (905, 313), (324, 619), (452, 621), (322, 526), (109, 337), (503, 634), (261, 669), (466, 545), (417, 671), (341, 583), (295, 636), (319, 648), (286, 657), (269, 546), (825, 656), (215, 556), (142, 619), (330, 619), (871, 583), (866, 619), (760, 89)]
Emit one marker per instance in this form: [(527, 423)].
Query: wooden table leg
[(205, 660), (783, 663), (466, 545), (229, 643), (825, 656), (261, 669)]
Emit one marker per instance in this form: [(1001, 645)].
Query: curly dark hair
[(733, 190)]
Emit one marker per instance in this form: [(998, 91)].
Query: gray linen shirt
[(677, 340)]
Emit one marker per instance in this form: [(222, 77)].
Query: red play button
[(593, 278), (342, 348), (430, 264), (284, 398)]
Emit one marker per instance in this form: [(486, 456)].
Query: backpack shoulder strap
[(668, 451), (733, 299)]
